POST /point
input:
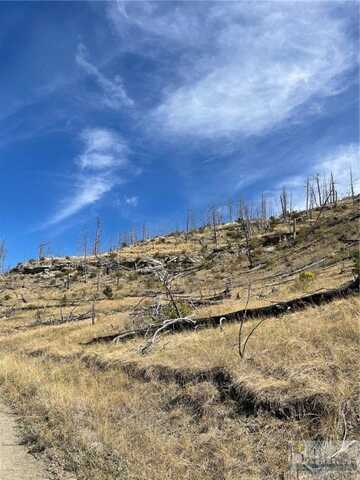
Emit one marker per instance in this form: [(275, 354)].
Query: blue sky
[(137, 111)]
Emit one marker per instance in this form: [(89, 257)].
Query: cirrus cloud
[(104, 153), (103, 148), (243, 67), (114, 93), (87, 190)]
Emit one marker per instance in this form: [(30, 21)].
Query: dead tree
[(166, 279), (93, 313), (97, 240), (84, 241), (333, 192), (98, 278), (243, 210), (317, 180), (188, 223), (67, 281), (230, 210), (294, 229), (144, 233), (325, 189), (352, 191), (247, 231), (125, 239), (263, 209), (284, 200), (214, 221), (2, 256), (133, 236), (313, 227), (241, 348), (313, 198), (307, 195), (42, 250), (242, 344)]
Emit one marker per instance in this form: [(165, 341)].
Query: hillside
[(111, 384)]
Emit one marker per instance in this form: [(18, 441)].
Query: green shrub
[(306, 278), (169, 311), (108, 292)]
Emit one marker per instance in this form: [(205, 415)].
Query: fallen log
[(60, 321), (273, 310)]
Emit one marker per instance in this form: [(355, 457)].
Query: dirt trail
[(15, 462)]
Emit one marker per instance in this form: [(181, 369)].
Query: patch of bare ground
[(21, 458), (15, 462)]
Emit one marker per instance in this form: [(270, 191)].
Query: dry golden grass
[(99, 418), (153, 429)]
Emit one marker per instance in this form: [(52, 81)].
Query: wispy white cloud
[(104, 153), (114, 93), (132, 201), (161, 19), (249, 67), (249, 179), (87, 190), (103, 149), (257, 88)]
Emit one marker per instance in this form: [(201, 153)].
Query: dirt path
[(15, 462)]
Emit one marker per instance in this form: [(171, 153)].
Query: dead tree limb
[(164, 327), (243, 318)]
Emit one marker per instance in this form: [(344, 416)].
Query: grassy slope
[(102, 420)]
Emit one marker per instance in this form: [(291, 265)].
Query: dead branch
[(165, 326), (243, 318), (62, 320)]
